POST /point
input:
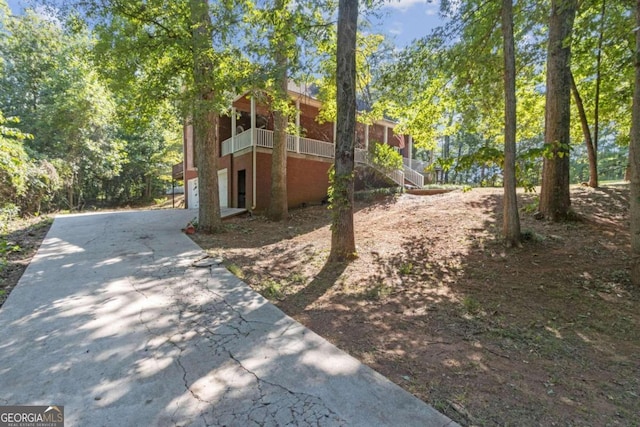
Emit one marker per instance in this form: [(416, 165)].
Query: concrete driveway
[(113, 321)]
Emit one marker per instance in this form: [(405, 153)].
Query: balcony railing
[(242, 141), (362, 156), (314, 147), (177, 171), (264, 138)]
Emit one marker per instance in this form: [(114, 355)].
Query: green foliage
[(406, 268), (378, 292), (236, 271), (532, 206), (106, 132), (272, 289), (446, 164), (14, 161), (50, 83), (371, 52), (385, 157), (297, 278), (471, 304), (8, 212)]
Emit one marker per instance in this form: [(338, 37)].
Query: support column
[(297, 126), (410, 144), (253, 143), (386, 135), (233, 129)]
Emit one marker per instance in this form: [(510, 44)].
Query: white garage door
[(223, 188), (192, 188)]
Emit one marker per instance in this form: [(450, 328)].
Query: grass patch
[(297, 278), (471, 305), (272, 289), (406, 268), (378, 292), (236, 271)]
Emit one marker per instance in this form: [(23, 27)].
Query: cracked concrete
[(119, 319)]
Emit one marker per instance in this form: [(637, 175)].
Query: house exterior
[(246, 141)]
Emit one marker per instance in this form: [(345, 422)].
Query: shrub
[(385, 157)]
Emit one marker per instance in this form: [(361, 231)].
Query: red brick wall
[(224, 129), (263, 180), (311, 128), (376, 134), (239, 163), (307, 181)]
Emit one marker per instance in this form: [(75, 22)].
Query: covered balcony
[(312, 147)]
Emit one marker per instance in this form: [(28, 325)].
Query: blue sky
[(407, 20), (403, 20)]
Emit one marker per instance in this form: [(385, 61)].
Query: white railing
[(291, 143), (414, 177), (242, 141), (264, 138), (297, 144), (362, 156), (317, 148)]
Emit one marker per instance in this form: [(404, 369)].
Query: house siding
[(307, 181), (240, 162), (307, 176), (311, 128)]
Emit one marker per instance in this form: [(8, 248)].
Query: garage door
[(223, 188), (192, 188)]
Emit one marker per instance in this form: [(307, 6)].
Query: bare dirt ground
[(547, 334), (19, 242)]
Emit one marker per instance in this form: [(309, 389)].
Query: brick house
[(246, 139)]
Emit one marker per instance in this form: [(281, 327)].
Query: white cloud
[(396, 28), (403, 5)]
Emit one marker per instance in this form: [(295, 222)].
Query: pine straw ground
[(543, 335), (547, 334)]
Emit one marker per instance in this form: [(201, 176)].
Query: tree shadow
[(118, 325), (481, 329), (307, 295), (263, 231)]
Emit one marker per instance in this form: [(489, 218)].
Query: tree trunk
[(205, 119), (511, 218), (586, 132), (278, 208), (596, 111), (634, 162), (343, 246), (555, 200)]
